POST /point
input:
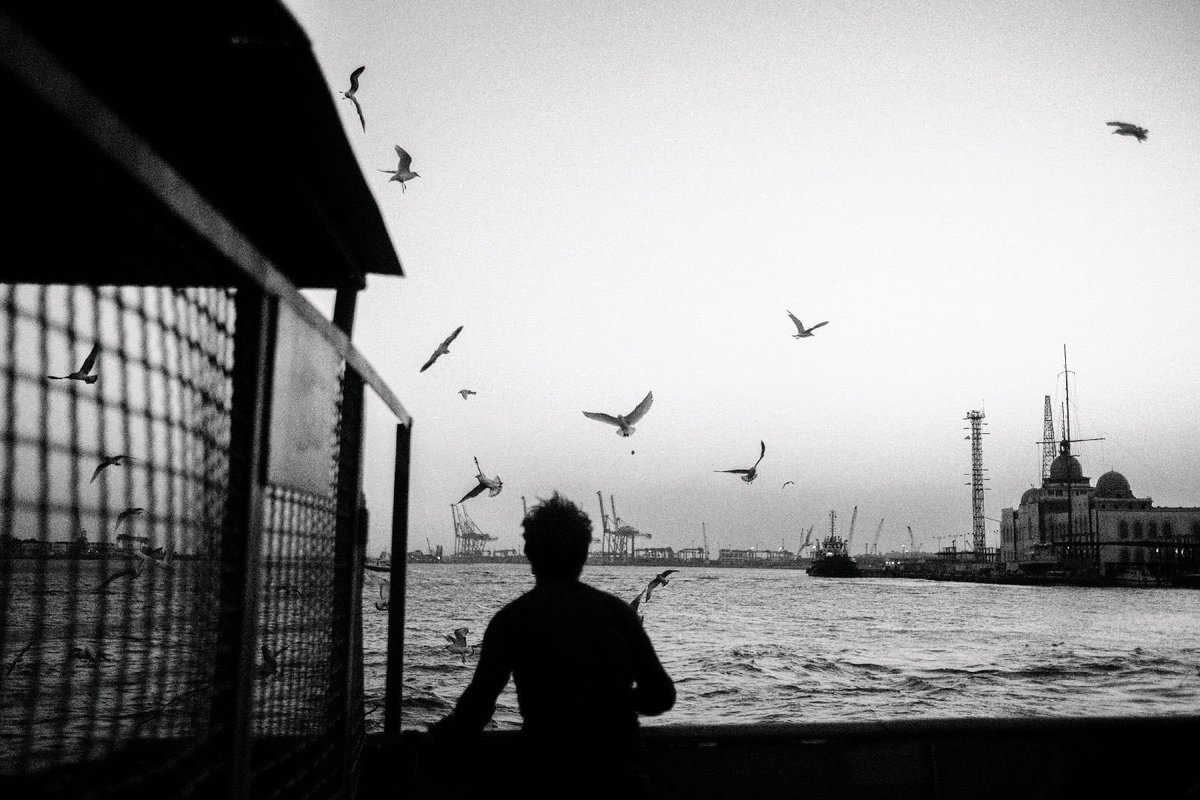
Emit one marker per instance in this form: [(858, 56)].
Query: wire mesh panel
[(300, 694), (114, 412)]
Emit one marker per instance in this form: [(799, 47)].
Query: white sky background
[(623, 197)]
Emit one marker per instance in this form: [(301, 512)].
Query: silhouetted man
[(583, 667)]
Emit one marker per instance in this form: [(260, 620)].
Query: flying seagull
[(466, 392), (1129, 129), (109, 461), (748, 475), (458, 643), (126, 514), (801, 331), (624, 422), (402, 172), (785, 485), (494, 485), (442, 349), (132, 572), (270, 660), (84, 372), (658, 580), (350, 95)]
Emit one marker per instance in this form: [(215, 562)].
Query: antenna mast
[(1047, 440), (978, 531)]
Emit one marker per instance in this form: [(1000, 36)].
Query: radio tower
[(1048, 442), (977, 519)]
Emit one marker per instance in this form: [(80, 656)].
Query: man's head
[(557, 537)]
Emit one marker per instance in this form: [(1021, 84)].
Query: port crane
[(875, 541), (468, 538), (807, 536), (850, 538), (912, 542), (619, 540)]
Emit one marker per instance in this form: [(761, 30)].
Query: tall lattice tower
[(1049, 446), (978, 531)]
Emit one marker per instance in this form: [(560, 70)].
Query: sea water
[(776, 645)]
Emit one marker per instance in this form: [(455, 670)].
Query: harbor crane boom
[(912, 543), (850, 538), (875, 542)]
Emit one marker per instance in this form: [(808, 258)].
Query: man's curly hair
[(557, 536)]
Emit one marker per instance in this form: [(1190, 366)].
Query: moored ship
[(832, 559)]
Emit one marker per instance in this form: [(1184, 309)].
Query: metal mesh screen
[(113, 478)]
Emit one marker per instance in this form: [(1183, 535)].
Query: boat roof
[(229, 94)]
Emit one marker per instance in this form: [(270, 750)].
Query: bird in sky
[(126, 514), (494, 485), (748, 475), (109, 461), (350, 95), (658, 580), (624, 422), (132, 572), (270, 661), (1129, 129), (801, 331), (84, 373), (402, 172), (466, 392), (458, 643), (442, 349), (785, 485)]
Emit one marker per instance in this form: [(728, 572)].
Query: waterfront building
[(1102, 531)]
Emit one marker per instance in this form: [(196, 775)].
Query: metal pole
[(241, 542), (394, 676), (347, 570)]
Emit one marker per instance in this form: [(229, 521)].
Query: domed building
[(1101, 531)]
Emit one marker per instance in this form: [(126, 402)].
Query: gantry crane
[(619, 538), (875, 542)]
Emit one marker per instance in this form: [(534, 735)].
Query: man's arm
[(653, 691)]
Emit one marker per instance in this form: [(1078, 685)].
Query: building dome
[(1030, 496), (1066, 468), (1113, 485)]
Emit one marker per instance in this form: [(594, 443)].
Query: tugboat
[(833, 559)]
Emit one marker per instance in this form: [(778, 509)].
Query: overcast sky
[(623, 197)]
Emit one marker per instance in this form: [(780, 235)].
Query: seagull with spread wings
[(801, 331), (748, 475), (270, 661), (624, 422), (466, 393), (442, 349), (132, 572), (84, 373), (458, 643), (1129, 129), (785, 485), (402, 172), (109, 461), (493, 485), (350, 95), (658, 580)]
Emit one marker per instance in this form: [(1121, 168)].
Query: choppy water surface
[(749, 645)]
